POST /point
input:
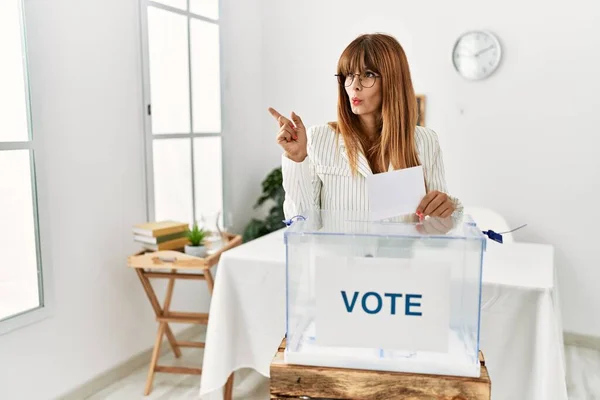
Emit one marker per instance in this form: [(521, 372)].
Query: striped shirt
[(325, 181)]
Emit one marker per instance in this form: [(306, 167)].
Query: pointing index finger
[(274, 113), (280, 118)]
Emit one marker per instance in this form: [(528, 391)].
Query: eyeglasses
[(366, 79)]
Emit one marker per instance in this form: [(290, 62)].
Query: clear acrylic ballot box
[(391, 295)]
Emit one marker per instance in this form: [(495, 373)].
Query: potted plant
[(196, 246), (273, 196)]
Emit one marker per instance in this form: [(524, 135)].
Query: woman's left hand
[(436, 204), (435, 225)]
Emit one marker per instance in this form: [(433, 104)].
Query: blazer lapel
[(362, 165)]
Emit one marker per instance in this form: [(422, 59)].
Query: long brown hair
[(382, 54)]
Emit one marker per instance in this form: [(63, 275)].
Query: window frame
[(44, 270), (150, 137)]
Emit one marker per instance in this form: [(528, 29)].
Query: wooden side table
[(300, 381), (173, 265)]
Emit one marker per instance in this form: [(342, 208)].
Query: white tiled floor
[(583, 373), (249, 385), (583, 379)]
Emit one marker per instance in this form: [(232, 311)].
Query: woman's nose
[(356, 83)]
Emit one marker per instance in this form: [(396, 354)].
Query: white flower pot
[(195, 251)]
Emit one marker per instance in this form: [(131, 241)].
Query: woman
[(326, 167)]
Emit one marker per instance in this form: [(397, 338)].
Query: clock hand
[(484, 50)]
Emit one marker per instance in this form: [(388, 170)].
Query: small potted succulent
[(196, 246)]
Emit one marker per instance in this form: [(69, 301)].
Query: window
[(182, 94), (21, 288)]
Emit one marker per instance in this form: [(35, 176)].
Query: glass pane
[(206, 85), (13, 101), (208, 178), (206, 8), (169, 79), (173, 180), (19, 289), (173, 3)]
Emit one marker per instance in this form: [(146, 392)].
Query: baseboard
[(579, 340), (124, 369)]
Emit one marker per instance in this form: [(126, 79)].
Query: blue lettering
[(364, 303), (393, 301), (350, 307), (409, 304)]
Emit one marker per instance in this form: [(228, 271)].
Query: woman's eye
[(370, 74)]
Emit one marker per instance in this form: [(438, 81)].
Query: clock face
[(476, 54)]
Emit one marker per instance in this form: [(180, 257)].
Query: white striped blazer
[(324, 179)]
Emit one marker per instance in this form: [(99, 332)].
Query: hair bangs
[(358, 57)]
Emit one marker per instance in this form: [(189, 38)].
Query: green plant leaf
[(254, 230), (272, 189), (196, 235)]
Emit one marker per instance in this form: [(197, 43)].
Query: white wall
[(523, 142), (244, 145), (87, 112)]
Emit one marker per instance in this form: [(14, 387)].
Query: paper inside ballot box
[(387, 303)]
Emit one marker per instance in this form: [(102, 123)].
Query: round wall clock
[(476, 54)]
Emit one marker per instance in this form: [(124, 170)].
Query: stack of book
[(161, 235)]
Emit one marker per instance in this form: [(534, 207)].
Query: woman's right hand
[(291, 136)]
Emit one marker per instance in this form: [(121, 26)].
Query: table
[(521, 328), (173, 265)]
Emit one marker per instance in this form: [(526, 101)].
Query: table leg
[(172, 341), (228, 394), (154, 361), (157, 309), (209, 280), (166, 308)]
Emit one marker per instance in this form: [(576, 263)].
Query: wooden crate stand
[(299, 381)]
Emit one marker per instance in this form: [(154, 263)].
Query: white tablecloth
[(521, 330)]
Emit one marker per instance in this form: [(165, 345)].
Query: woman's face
[(364, 98)]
